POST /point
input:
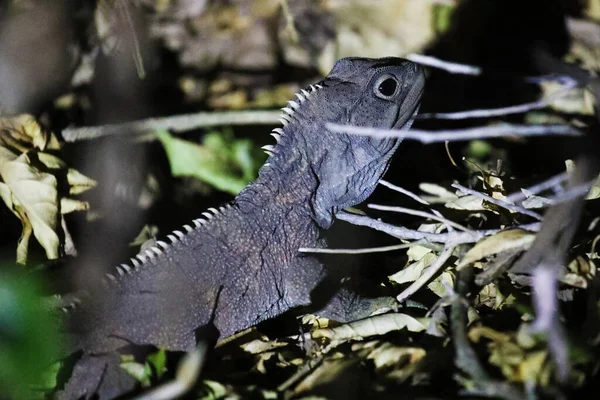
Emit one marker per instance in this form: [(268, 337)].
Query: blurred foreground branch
[(178, 123)]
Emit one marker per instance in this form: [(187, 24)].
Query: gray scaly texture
[(242, 261)]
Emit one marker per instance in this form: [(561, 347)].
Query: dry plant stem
[(418, 214), (410, 234), (178, 123), (499, 203), (456, 135), (428, 274)]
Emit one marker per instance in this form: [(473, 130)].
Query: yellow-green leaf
[(68, 205), (412, 272), (36, 193), (372, 326), (79, 183), (511, 239)]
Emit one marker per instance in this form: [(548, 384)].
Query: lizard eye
[(386, 86)]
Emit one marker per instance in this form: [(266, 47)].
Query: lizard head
[(382, 93)]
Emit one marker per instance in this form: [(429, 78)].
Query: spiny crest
[(73, 302), (160, 247), (288, 114)]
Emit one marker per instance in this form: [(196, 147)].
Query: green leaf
[(28, 337), (158, 361), (141, 372), (227, 164), (211, 390)]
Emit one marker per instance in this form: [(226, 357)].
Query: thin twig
[(428, 274), (467, 69), (572, 193), (495, 112), (452, 67), (499, 203), (178, 123), (365, 250), (417, 199), (418, 214), (456, 135), (538, 188), (403, 191), (410, 234)]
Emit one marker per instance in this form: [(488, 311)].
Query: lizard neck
[(285, 183), (288, 180)]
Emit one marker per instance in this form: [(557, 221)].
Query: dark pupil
[(388, 87)]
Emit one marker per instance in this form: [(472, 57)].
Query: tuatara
[(240, 264)]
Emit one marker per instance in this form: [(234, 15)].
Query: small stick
[(177, 123), (496, 112), (365, 250), (416, 198), (499, 203), (456, 135), (418, 214), (428, 274), (410, 234), (538, 188), (403, 191)]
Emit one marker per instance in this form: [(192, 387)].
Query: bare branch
[(403, 191), (538, 188), (419, 214), (410, 234), (499, 203), (453, 68), (474, 70), (417, 199), (178, 123), (495, 112), (365, 250), (572, 193), (456, 135)]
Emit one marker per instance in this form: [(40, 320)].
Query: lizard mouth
[(406, 117)]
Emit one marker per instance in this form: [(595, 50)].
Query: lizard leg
[(347, 306), (99, 374)]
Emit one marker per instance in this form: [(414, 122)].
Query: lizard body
[(242, 264)]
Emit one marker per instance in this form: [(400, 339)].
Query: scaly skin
[(243, 263)]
